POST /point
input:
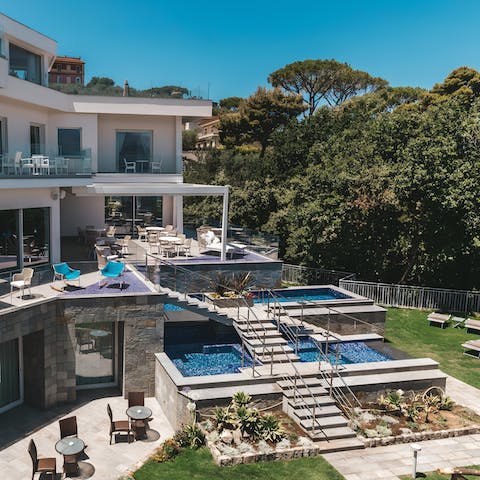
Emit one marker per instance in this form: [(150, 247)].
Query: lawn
[(437, 476), (198, 465), (408, 330)]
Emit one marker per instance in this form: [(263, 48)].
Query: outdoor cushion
[(66, 271), (113, 269)]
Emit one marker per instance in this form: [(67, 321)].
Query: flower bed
[(399, 418)]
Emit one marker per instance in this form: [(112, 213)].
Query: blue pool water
[(303, 294), (210, 360), (204, 348), (349, 352)]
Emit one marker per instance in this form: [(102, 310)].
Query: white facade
[(32, 118)]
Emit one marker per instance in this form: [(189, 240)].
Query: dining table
[(154, 229), (141, 413)]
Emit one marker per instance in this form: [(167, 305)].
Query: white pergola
[(154, 189)]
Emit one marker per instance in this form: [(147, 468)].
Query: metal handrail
[(264, 350)]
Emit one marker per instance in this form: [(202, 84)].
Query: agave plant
[(446, 403), (249, 421), (241, 399), (224, 419), (392, 401), (271, 429)]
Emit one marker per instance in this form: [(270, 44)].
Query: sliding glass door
[(134, 152)]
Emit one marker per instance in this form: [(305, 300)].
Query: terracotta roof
[(69, 59)]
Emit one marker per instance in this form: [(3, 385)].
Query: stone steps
[(339, 445), (326, 422), (332, 433), (304, 392), (324, 411)]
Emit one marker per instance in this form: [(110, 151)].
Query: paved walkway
[(387, 463), (110, 461)]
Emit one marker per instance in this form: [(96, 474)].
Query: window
[(95, 353), (3, 135), (36, 236), (78, 80), (25, 65), (59, 79), (37, 135), (69, 141), (78, 69), (134, 147), (9, 239)]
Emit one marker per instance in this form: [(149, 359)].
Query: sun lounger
[(439, 319), (458, 322), (472, 346), (472, 325)]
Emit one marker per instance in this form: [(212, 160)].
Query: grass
[(409, 331), (437, 476), (198, 465)]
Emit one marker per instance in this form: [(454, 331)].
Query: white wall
[(81, 211), (164, 138), (36, 198), (88, 124)]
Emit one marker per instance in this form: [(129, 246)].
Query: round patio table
[(155, 229), (70, 446), (139, 412), (175, 240)]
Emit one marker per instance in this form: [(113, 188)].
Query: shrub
[(190, 436), (446, 403), (168, 450), (224, 419), (249, 421)]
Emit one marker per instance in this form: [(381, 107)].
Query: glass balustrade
[(21, 162)]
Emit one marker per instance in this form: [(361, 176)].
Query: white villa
[(61, 155)]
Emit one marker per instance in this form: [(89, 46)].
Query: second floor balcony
[(46, 162)]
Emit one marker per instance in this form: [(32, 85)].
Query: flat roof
[(150, 189)]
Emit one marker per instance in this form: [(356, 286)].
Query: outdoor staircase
[(266, 344)]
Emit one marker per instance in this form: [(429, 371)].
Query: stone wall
[(55, 319)]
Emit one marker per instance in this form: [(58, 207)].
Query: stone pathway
[(388, 463), (110, 461)]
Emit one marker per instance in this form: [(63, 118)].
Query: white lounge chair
[(472, 346), (472, 325), (439, 319), (21, 281)]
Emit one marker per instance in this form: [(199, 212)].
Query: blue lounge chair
[(113, 270), (62, 271)]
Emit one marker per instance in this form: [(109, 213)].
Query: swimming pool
[(204, 348), (302, 294), (349, 352)]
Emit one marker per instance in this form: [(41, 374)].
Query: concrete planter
[(229, 302)]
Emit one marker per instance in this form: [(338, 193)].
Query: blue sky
[(228, 48)]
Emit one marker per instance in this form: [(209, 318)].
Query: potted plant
[(230, 290)]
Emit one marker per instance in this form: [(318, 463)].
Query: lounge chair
[(458, 473), (458, 322), (62, 271), (104, 255), (439, 319), (211, 243), (471, 345), (114, 270), (472, 325)]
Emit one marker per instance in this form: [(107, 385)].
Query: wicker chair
[(41, 465), (68, 427), (118, 426)]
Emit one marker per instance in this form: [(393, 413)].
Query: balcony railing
[(46, 163), (140, 166)]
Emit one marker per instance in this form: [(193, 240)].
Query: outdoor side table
[(70, 446), (139, 412)]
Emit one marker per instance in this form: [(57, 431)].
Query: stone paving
[(110, 461), (387, 463)]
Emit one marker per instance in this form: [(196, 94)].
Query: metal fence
[(297, 274), (415, 297)]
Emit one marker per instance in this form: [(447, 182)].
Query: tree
[(259, 116), (189, 139), (323, 80), (231, 103), (165, 92)]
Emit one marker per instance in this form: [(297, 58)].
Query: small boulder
[(226, 437), (237, 436)]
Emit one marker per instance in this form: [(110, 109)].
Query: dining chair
[(136, 399), (21, 281), (129, 166), (41, 465), (118, 426), (68, 427)]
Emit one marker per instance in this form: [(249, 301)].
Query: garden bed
[(401, 418)]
